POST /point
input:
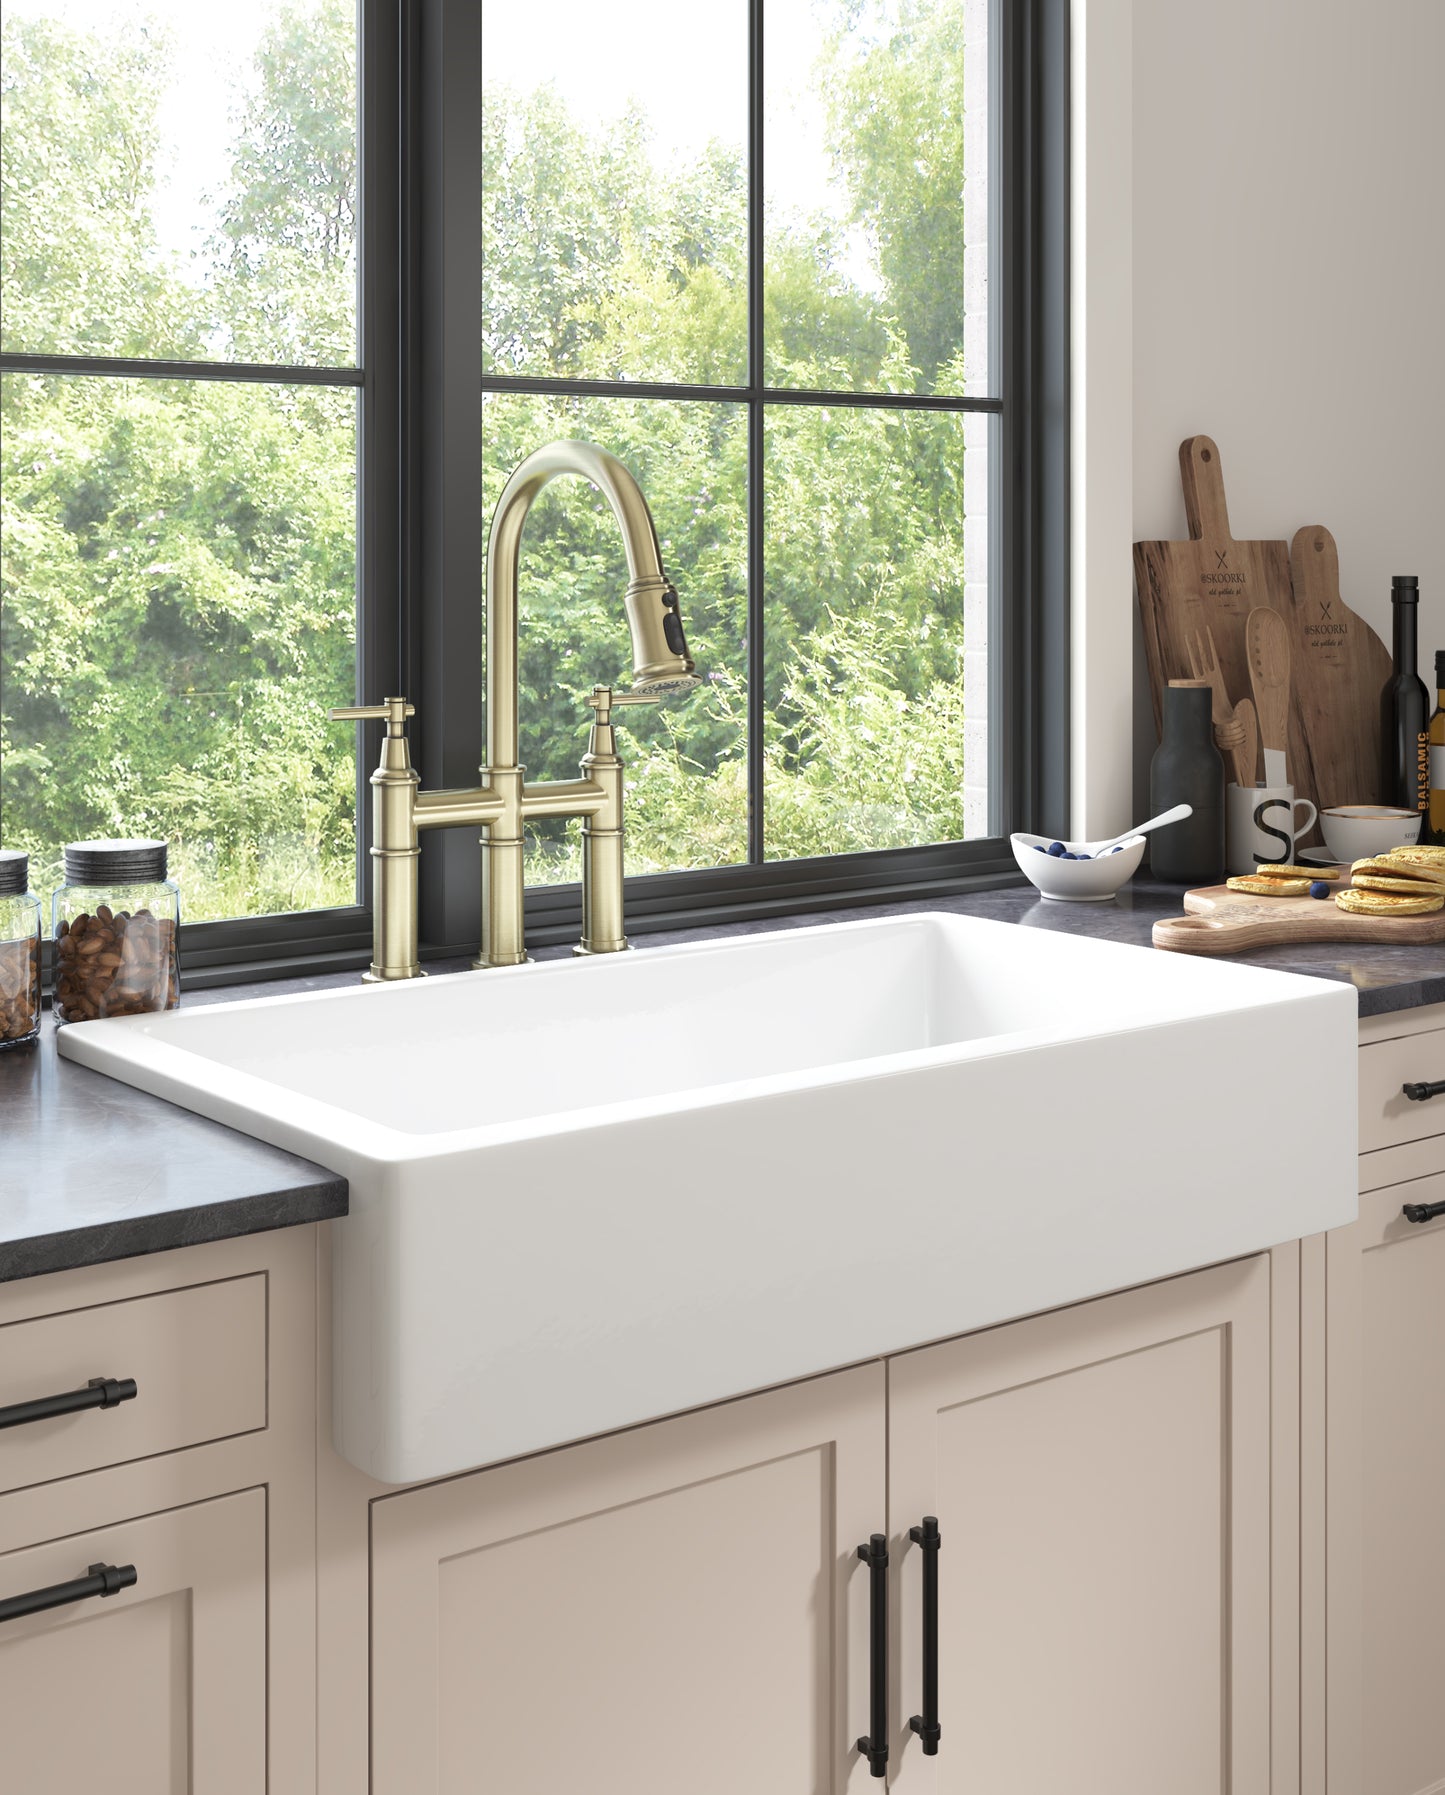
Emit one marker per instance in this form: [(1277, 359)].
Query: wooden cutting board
[(1212, 581), (1339, 667), (1221, 921)]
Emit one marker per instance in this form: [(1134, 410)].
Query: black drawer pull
[(1422, 1212), (1422, 1093), (99, 1580), (99, 1393), (874, 1743), (930, 1542)]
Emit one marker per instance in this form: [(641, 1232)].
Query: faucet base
[(484, 964), (372, 977), (583, 950)]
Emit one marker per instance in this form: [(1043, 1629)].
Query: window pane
[(178, 612), (687, 773), (614, 190), (876, 217), (180, 180), (876, 732)]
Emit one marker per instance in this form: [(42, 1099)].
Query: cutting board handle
[(1203, 481), (1228, 934), (1315, 563)]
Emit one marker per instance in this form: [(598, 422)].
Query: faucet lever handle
[(605, 699), (394, 713)]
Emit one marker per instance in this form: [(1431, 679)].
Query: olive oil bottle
[(1436, 818)]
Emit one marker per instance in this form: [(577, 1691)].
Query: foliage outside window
[(180, 553)]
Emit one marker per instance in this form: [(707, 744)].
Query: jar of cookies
[(19, 952), (115, 920)]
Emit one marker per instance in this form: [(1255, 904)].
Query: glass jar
[(19, 952), (116, 920)]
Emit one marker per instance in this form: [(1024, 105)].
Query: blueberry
[(1320, 889), (1057, 849), (1039, 848), (1083, 856)]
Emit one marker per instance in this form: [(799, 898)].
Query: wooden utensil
[(1246, 755), (1339, 669), (1229, 733), (1221, 921), (1266, 640)]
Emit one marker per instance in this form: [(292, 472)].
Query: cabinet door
[(159, 1689), (1387, 1454), (675, 1608), (1101, 1480)]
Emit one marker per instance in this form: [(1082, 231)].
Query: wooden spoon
[(1266, 638)]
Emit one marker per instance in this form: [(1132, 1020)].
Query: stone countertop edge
[(92, 1170)]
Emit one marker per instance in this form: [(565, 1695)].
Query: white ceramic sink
[(587, 1193)]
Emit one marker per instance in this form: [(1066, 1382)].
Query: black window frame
[(420, 528)]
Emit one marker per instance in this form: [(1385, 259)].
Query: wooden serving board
[(1221, 921), (1339, 667)]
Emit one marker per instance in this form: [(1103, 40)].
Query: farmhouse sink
[(587, 1193)]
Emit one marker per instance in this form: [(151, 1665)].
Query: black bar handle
[(1422, 1212), (99, 1580), (99, 1393), (1422, 1093), (930, 1542), (874, 1743)]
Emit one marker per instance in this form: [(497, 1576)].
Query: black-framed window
[(855, 459)]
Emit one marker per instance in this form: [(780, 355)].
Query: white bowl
[(1360, 831), (1077, 881)]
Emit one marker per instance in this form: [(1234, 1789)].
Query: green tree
[(177, 560)]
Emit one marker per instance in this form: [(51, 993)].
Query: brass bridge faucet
[(503, 801)]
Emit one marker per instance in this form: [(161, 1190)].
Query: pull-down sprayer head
[(660, 660)]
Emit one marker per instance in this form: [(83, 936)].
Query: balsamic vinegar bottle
[(1405, 711), (1436, 818)]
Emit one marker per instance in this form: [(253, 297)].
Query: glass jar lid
[(115, 862), (14, 872)]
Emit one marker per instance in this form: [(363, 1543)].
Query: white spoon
[(1176, 815)]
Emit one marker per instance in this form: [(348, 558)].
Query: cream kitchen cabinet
[(1101, 1479), (157, 1687), (676, 1607), (1383, 1426), (186, 1665), (683, 1605)]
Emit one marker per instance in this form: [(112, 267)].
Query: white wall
[(1286, 241)]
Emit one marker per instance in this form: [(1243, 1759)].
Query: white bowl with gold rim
[(1360, 831)]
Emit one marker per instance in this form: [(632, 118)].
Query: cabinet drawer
[(156, 1689), (1388, 1117), (197, 1357)]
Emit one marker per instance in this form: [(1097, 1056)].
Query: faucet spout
[(501, 804), (660, 659)]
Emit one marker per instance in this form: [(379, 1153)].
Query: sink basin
[(587, 1193)]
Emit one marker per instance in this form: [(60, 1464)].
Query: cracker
[(1271, 869), (1384, 903), (1271, 887)]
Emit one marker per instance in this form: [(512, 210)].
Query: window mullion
[(756, 376)]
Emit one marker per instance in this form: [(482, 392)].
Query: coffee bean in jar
[(19, 952), (115, 921)]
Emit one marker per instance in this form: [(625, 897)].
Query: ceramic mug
[(1262, 825)]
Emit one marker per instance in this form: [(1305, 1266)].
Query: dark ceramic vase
[(1187, 769)]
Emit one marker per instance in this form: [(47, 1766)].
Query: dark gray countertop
[(92, 1170)]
